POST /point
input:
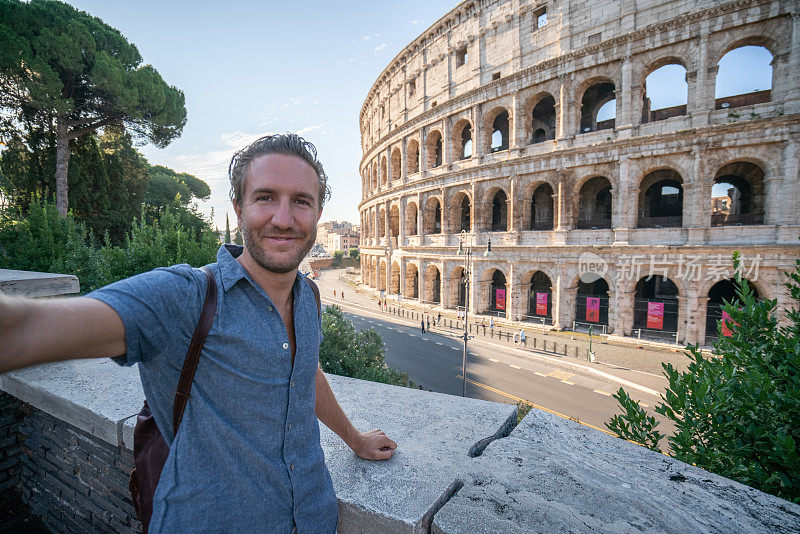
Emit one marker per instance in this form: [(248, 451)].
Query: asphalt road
[(434, 361)]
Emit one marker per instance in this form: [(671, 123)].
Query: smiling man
[(247, 455)]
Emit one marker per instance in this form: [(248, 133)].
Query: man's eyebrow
[(262, 190)]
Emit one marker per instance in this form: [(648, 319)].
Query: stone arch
[(540, 118), (394, 221), (395, 165), (744, 202), (412, 213), (537, 295), (678, 83), (750, 97), (753, 39), (412, 281), (463, 146), (374, 176), (494, 289), (432, 217), (384, 177), (412, 157), (382, 223), (492, 214), (496, 125), (592, 302), (662, 292), (592, 95), (457, 289), (394, 279), (461, 212), (433, 146), (594, 202), (720, 291), (433, 285), (660, 202), (539, 210), (382, 275)]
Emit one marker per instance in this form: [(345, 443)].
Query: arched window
[(394, 279), (540, 298), (737, 196), (655, 306), (721, 292), (598, 108), (591, 303), (396, 164), (412, 155), (411, 219), (499, 212), (500, 132), (466, 142), (497, 292), (542, 208), (412, 281), (594, 204), (394, 221), (661, 200), (433, 216), (543, 120), (465, 215), (665, 93), (733, 89), (434, 149)]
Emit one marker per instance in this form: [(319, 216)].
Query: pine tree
[(227, 229)]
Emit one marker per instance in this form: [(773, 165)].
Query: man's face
[(279, 211)]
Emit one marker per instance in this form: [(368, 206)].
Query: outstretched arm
[(35, 331), (372, 445)]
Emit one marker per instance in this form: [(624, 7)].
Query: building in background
[(341, 242), (336, 235), (528, 124)]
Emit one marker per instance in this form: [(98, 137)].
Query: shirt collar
[(231, 271)]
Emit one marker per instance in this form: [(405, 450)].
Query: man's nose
[(283, 218)]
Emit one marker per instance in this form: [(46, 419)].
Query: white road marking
[(438, 343), (540, 374), (602, 393), (568, 382), (455, 348), (514, 366), (493, 360), (643, 405)]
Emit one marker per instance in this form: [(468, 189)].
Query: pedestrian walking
[(334, 293), (438, 319), (428, 322), (522, 338), (342, 295), (422, 323)]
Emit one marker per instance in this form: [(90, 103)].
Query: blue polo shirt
[(247, 456)]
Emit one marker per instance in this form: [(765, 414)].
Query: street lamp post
[(467, 252)]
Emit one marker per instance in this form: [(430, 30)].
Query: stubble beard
[(253, 245)]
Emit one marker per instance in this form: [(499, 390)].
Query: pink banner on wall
[(727, 324), (593, 309), (541, 303), (500, 299), (655, 315)]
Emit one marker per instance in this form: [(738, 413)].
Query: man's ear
[(237, 210)]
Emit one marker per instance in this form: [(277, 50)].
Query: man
[(248, 453)]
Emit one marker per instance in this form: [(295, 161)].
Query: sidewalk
[(622, 363)]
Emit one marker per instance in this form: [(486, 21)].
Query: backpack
[(150, 450)]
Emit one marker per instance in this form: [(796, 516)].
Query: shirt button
[(291, 466), (270, 308), (292, 383), (290, 426), (285, 346)]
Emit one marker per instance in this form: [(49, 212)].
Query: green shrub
[(348, 352), (737, 412)]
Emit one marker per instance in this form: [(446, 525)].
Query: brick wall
[(10, 462), (70, 479)]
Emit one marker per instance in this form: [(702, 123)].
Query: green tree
[(354, 253), (737, 412), (71, 73), (237, 238), (348, 352), (227, 229)]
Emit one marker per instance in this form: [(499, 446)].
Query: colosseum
[(514, 163)]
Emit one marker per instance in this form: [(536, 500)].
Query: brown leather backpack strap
[(315, 289), (193, 354)]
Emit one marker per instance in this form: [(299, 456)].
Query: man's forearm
[(331, 414)]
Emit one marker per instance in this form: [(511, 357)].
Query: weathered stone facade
[(485, 129)]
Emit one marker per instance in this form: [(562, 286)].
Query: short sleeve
[(158, 310)]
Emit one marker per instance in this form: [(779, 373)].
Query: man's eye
[(304, 202), (263, 198)]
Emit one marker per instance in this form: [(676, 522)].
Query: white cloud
[(380, 47), (417, 22), (308, 129)]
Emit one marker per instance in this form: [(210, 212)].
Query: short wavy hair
[(287, 143)]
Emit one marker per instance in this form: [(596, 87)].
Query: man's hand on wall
[(374, 445)]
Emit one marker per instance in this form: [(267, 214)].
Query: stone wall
[(553, 79)]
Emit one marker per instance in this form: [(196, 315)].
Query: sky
[(254, 68)]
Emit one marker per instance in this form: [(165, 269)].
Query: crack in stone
[(452, 489), (503, 432)]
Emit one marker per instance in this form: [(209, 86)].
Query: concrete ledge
[(553, 475), (33, 284)]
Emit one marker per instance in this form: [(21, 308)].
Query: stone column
[(567, 305), (401, 268), (423, 150), (516, 133), (420, 222), (624, 115), (613, 312), (445, 212), (624, 325), (698, 101), (401, 222), (404, 160), (421, 280), (563, 111), (681, 327), (512, 202), (791, 176), (478, 134), (447, 142), (791, 97), (556, 307), (512, 298), (702, 317)]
